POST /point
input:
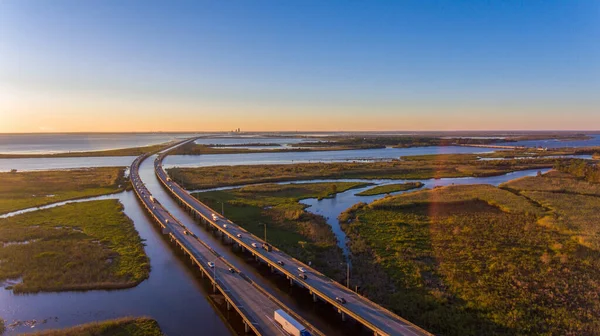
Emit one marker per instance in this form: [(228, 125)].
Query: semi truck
[(289, 324)]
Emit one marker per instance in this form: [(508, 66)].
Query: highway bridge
[(253, 303), (380, 320)]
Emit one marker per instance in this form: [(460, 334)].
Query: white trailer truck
[(290, 325)]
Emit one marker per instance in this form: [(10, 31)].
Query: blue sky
[(299, 65)]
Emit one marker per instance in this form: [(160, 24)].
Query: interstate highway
[(254, 304), (373, 316)]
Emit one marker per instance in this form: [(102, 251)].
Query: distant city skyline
[(114, 66)]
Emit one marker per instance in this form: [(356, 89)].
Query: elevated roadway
[(380, 320), (254, 304)]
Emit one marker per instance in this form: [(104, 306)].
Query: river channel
[(174, 295)]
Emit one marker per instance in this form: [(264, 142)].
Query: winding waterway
[(173, 294), (331, 208)]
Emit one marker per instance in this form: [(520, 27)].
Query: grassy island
[(133, 151), (128, 326), (79, 246), (22, 190), (390, 188), (197, 149), (301, 234), (210, 177), (480, 260)]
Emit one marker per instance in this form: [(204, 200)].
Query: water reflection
[(64, 163), (172, 295), (331, 208), (316, 156)]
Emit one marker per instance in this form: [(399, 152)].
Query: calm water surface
[(80, 142), (172, 295), (64, 163), (553, 143), (301, 157), (331, 208)]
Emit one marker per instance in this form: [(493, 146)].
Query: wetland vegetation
[(198, 149), (78, 246), (301, 234), (217, 176), (390, 188), (475, 259), (128, 326), (20, 190)]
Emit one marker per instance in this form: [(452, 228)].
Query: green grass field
[(198, 149), (23, 190), (211, 177), (474, 260), (128, 326), (553, 181), (133, 151), (30, 189), (390, 188), (301, 234), (573, 204), (79, 246)]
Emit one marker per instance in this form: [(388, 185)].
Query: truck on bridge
[(290, 325)]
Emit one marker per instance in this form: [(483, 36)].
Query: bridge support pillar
[(291, 282), (228, 305), (246, 327), (343, 315), (314, 297), (214, 287)]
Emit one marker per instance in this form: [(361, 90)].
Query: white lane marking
[(281, 330)]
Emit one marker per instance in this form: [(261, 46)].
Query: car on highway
[(267, 247), (280, 262), (231, 270), (340, 300), (214, 217), (301, 269), (211, 264), (254, 245), (239, 235), (186, 232), (302, 276), (225, 226)]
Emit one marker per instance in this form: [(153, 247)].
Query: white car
[(214, 217), (255, 245), (239, 235), (225, 226), (301, 269), (211, 264)]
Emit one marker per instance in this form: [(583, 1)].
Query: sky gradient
[(308, 65)]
